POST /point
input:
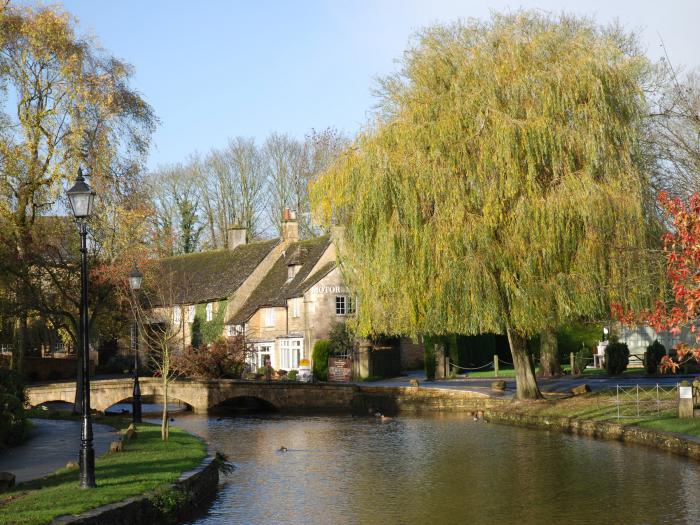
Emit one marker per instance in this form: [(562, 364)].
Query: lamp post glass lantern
[(82, 199), (135, 279)]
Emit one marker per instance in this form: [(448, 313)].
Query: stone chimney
[(236, 237), (290, 226)]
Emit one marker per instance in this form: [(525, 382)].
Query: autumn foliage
[(681, 246), (224, 358)]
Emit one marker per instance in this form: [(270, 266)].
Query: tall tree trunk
[(164, 426), (549, 355), (526, 383), (20, 343)]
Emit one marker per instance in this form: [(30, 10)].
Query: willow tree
[(499, 189)]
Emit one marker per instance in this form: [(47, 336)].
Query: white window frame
[(269, 314), (291, 352), (209, 312), (257, 358), (177, 315), (344, 305), (190, 313)]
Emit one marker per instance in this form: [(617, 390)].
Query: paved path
[(52, 444), (560, 384)]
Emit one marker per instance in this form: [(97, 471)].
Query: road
[(561, 384)]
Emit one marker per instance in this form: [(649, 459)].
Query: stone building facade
[(284, 295)]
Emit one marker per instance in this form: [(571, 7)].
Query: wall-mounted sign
[(685, 392), (324, 289), (339, 369)]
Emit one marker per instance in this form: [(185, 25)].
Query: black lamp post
[(81, 199), (135, 278)]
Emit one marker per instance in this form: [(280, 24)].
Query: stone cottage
[(283, 294)]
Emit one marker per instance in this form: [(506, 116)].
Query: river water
[(437, 470)]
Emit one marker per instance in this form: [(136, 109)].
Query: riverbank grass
[(661, 414), (145, 464)]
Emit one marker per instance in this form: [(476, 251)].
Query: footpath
[(51, 444)]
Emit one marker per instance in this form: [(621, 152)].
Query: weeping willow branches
[(500, 189)]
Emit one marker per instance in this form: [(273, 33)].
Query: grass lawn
[(673, 424), (146, 463), (659, 415)]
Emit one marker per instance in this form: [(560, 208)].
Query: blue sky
[(218, 69)]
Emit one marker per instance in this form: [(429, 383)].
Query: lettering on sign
[(686, 392), (329, 289), (339, 369)]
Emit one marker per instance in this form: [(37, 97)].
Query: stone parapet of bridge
[(203, 395)]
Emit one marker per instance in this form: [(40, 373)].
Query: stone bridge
[(202, 396)]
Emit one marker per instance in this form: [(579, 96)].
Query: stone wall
[(388, 400), (601, 430), (412, 354), (198, 486)]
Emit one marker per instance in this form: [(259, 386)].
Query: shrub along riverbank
[(13, 420), (145, 464)]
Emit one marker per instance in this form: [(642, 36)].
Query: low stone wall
[(391, 400), (197, 485), (668, 442), (426, 400)]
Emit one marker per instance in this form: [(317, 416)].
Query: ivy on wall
[(203, 331)]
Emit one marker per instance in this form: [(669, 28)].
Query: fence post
[(637, 400), (495, 365), (572, 363), (658, 400)]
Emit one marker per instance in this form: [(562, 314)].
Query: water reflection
[(445, 469)]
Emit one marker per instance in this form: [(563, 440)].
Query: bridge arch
[(238, 403), (149, 399)]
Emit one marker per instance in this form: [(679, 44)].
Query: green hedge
[(321, 351), (617, 357), (652, 357)]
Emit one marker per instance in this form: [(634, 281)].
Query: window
[(290, 353), (190, 313), (344, 305), (210, 311), (292, 270), (235, 329), (269, 316), (177, 317), (262, 353), (296, 306)]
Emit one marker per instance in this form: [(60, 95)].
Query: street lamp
[(135, 278), (82, 199)]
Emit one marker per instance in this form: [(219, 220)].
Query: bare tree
[(284, 160), (175, 196), (673, 130), (291, 166), (161, 328), (232, 188)]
